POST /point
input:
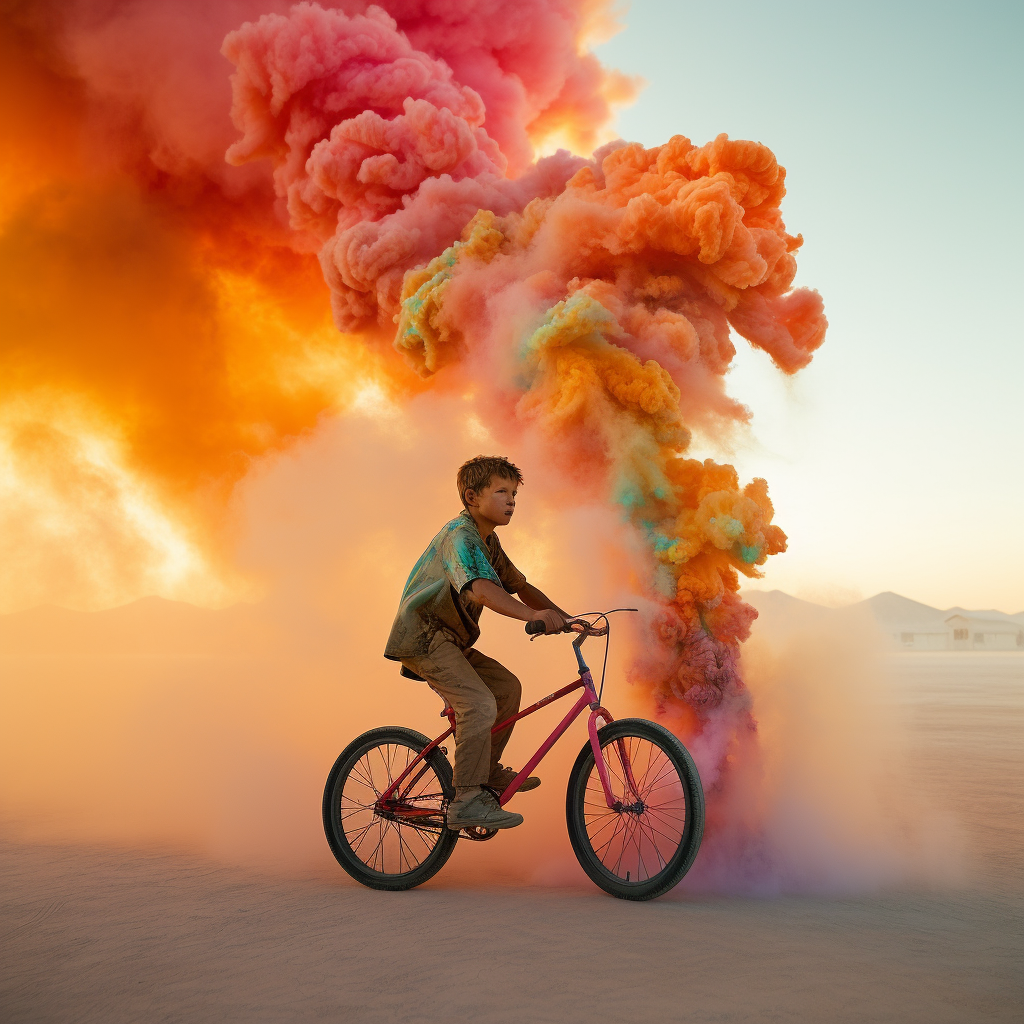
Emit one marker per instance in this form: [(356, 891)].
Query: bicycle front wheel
[(643, 845), (401, 842)]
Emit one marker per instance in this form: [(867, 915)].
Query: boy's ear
[(470, 497)]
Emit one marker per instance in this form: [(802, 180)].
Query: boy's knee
[(514, 690), (479, 715)]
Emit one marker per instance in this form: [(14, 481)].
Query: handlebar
[(535, 626)]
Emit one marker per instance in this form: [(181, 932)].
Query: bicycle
[(634, 804)]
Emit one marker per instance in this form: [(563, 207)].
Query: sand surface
[(91, 931), (93, 935)]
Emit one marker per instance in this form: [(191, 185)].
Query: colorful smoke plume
[(591, 301), (165, 322)]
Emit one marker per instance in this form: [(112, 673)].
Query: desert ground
[(94, 935), (112, 930)]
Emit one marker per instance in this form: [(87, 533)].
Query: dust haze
[(169, 726)]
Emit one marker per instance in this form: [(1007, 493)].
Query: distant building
[(919, 637), (970, 634)]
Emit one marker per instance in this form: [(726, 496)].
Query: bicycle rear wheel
[(403, 842), (643, 846)]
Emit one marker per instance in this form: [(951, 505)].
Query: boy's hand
[(583, 626), (554, 622)]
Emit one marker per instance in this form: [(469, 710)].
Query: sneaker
[(502, 778), (481, 810)]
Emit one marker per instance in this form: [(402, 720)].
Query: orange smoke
[(138, 382), (162, 325)]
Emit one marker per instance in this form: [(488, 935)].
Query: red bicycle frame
[(589, 698)]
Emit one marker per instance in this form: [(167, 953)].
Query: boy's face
[(495, 502)]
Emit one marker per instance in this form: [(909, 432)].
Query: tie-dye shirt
[(436, 596)]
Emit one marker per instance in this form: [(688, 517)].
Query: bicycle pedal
[(479, 834)]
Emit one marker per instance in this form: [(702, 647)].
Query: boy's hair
[(476, 474)]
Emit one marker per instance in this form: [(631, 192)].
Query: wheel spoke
[(362, 772), (360, 834)]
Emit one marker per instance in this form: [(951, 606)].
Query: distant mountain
[(891, 609), (778, 602), (150, 626), (155, 627), (989, 613)]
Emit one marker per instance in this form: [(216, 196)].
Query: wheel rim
[(636, 843), (398, 840)]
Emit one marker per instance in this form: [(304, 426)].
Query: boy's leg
[(451, 674), (507, 693)]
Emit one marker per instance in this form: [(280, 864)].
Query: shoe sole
[(524, 788), (483, 823)]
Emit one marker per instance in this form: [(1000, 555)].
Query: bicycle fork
[(596, 712)]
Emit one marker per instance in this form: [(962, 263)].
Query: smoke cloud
[(167, 329)]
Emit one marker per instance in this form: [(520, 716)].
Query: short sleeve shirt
[(436, 596)]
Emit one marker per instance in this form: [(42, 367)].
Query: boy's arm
[(534, 598), (539, 600), (490, 595)]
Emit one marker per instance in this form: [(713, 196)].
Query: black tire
[(666, 822), (361, 838)]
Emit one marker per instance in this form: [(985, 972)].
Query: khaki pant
[(482, 692)]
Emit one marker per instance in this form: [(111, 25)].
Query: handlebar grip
[(535, 626)]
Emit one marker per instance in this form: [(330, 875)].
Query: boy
[(463, 571)]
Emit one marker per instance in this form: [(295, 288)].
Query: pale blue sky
[(896, 459)]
